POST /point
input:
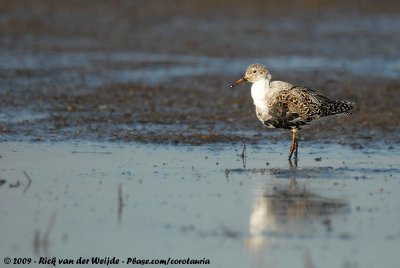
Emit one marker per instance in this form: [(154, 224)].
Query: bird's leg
[(294, 145), (293, 166)]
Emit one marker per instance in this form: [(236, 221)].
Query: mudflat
[(121, 139)]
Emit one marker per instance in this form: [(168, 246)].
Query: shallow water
[(66, 67), (98, 77), (202, 202)]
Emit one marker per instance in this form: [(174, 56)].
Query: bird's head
[(255, 72)]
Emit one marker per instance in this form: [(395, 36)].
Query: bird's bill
[(241, 80)]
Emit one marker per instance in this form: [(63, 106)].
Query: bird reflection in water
[(287, 210)]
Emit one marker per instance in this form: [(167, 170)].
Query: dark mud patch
[(105, 71), (186, 113)]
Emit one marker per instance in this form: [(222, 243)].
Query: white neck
[(259, 92)]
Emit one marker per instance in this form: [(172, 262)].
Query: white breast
[(259, 91)]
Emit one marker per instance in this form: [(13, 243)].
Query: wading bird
[(283, 105)]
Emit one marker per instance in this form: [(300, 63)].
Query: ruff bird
[(283, 105)]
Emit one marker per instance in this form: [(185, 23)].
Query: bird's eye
[(254, 71)]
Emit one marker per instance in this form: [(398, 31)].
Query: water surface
[(202, 202)]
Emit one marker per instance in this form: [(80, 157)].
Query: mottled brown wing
[(315, 105), (287, 111), (298, 106), (306, 102)]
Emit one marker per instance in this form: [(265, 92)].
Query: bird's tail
[(341, 107)]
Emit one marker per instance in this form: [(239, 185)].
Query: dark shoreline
[(54, 97)]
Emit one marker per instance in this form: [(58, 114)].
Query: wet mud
[(94, 93), (157, 72)]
